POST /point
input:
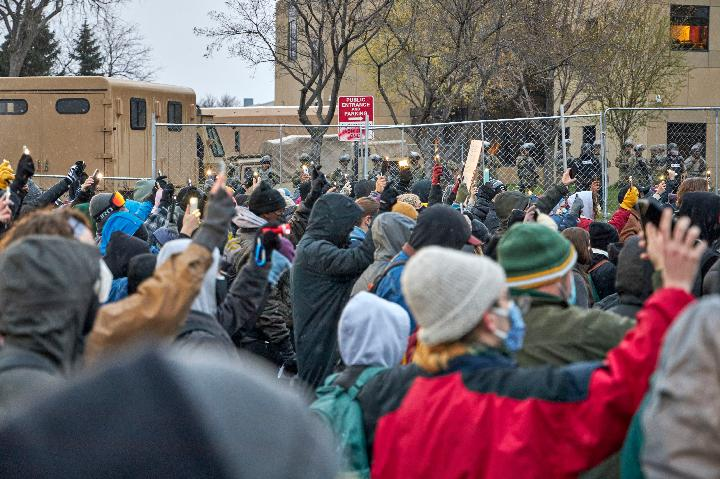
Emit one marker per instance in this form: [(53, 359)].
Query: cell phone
[(573, 171), (95, 175), (651, 212), (193, 204)]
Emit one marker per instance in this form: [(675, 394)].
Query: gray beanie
[(99, 203), (464, 286)]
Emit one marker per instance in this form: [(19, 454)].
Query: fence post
[(281, 154), (367, 145), (153, 146), (402, 141), (603, 161), (562, 143), (717, 139), (482, 139)]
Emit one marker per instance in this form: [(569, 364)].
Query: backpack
[(373, 286), (338, 408)]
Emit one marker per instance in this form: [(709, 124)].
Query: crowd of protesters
[(386, 328)]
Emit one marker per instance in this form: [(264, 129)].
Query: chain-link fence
[(525, 153), (125, 185)]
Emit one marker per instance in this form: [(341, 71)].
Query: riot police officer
[(526, 168), (640, 169), (559, 157), (587, 167), (376, 166), (416, 166), (695, 164), (343, 173), (624, 159), (676, 163), (266, 173)]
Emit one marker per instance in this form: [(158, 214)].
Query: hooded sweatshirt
[(47, 292), (120, 221), (390, 232), (168, 415), (323, 275), (373, 332), (633, 282), (120, 250)]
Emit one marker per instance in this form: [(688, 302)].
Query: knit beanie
[(465, 286), (601, 235), (405, 209), (422, 190), (441, 225), (265, 199), (143, 189), (507, 201), (533, 255), (101, 208), (630, 198), (7, 175), (411, 199)]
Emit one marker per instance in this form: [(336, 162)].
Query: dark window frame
[(214, 142), (174, 109), (68, 101), (237, 141), (14, 101), (690, 16), (138, 113)]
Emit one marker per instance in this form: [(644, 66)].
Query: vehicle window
[(13, 107), (138, 114), (72, 106), (215, 143), (174, 114)]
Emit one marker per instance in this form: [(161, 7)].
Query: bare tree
[(23, 20), (126, 55), (208, 101), (228, 100), (311, 41)]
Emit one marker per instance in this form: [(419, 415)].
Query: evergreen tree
[(40, 59), (87, 53)]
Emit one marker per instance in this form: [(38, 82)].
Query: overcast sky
[(167, 26)]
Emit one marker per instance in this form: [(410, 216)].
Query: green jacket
[(557, 334)]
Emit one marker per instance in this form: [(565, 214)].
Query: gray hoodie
[(390, 232), (373, 332)]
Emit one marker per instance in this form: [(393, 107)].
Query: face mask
[(513, 338)]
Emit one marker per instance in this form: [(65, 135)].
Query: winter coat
[(120, 250), (675, 434), (323, 275), (632, 226), (46, 198), (390, 232), (357, 236), (544, 422), (122, 221), (484, 210), (583, 298), (619, 219), (151, 311), (634, 283), (603, 273), (558, 334), (165, 415), (48, 302), (389, 287)]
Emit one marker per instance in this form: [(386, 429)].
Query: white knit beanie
[(448, 291)]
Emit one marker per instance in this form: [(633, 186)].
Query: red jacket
[(619, 219), (486, 418)]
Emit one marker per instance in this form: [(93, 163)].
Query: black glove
[(24, 171), (218, 213), (270, 239), (75, 173), (287, 354), (317, 184), (168, 191), (388, 199), (160, 183), (487, 191)]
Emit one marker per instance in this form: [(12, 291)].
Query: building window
[(174, 114), (138, 114), (13, 107), (214, 142), (685, 135), (72, 106), (689, 27), (292, 32), (589, 134), (237, 141)]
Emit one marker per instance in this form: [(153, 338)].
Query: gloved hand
[(219, 211), (631, 197), (160, 183), (577, 206), (24, 171), (455, 187), (6, 174), (462, 193), (270, 240), (287, 354), (487, 191), (279, 264), (437, 172), (168, 191), (75, 173), (405, 176), (317, 185), (388, 199)]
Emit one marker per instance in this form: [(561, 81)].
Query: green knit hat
[(533, 255)]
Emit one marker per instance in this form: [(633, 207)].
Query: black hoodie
[(323, 275), (48, 305), (120, 250)]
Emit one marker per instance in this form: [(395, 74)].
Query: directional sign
[(352, 114)]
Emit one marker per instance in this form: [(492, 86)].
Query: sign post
[(356, 116)]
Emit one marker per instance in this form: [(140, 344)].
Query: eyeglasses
[(118, 201)]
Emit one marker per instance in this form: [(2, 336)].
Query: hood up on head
[(390, 232), (206, 300), (332, 219), (48, 296), (120, 221), (634, 274), (373, 332)]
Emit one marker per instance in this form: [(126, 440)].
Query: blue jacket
[(357, 236), (121, 221), (389, 286)]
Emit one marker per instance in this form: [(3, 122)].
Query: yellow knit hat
[(405, 209), (6, 174), (631, 197)]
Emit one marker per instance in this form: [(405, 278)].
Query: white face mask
[(103, 283)]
